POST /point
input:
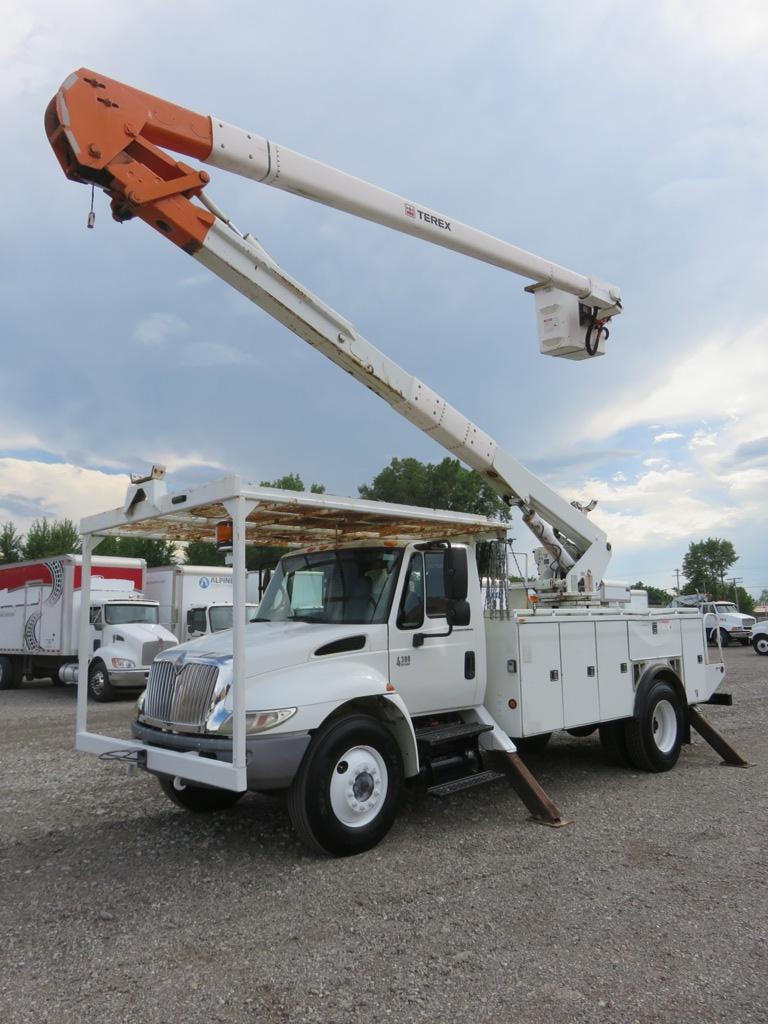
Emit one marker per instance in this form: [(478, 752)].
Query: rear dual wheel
[(653, 739), (655, 735)]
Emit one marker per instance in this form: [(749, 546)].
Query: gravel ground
[(651, 907)]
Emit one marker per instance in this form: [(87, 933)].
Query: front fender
[(316, 688)]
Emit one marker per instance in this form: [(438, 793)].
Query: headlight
[(123, 663), (259, 721)]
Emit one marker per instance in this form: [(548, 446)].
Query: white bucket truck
[(196, 600), (39, 611), (373, 659)]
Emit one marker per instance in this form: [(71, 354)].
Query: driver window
[(96, 618), (411, 612)]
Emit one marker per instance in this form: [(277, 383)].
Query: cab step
[(466, 782), (435, 736)]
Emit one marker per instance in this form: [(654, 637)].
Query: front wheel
[(760, 643), (199, 799), (346, 794), (725, 638), (655, 735), (99, 687)]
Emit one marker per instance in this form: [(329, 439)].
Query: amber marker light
[(224, 535)]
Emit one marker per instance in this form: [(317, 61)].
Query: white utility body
[(39, 614), (196, 600), (373, 658)]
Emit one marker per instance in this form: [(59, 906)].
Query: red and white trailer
[(39, 609)]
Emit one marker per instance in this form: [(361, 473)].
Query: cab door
[(442, 672)]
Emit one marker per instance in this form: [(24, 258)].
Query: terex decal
[(428, 218)]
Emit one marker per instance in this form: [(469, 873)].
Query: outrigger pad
[(708, 732), (543, 810)]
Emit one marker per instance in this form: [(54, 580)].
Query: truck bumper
[(128, 678), (271, 761)]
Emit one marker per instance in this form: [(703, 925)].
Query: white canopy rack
[(260, 515)]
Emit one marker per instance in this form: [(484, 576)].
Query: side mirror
[(455, 573), (457, 613)]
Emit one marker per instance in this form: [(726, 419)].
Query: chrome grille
[(150, 650), (180, 698)]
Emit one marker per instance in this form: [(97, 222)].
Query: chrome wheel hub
[(358, 786)]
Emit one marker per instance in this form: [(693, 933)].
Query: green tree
[(745, 601), (45, 540), (293, 482), (446, 485), (705, 564), (11, 544), (203, 552), (154, 552), (657, 597)]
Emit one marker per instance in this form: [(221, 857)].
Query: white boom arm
[(110, 134), (243, 263), (253, 156)]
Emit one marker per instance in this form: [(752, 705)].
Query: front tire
[(655, 735), (345, 796), (198, 799), (760, 643), (99, 687), (725, 638)]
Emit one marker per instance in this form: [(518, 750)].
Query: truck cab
[(213, 618), (724, 618), (125, 637)]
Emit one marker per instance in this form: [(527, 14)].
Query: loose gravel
[(115, 906)]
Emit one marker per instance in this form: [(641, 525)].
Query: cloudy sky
[(626, 140)]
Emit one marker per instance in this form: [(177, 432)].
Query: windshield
[(120, 614), (347, 586), (723, 608), (221, 616)]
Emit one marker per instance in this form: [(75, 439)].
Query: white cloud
[(158, 328), (698, 385), (668, 435), (664, 505), (703, 439), (724, 29), (56, 490)]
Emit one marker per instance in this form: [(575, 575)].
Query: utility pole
[(677, 573), (735, 581)]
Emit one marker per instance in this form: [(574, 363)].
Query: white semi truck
[(39, 614), (196, 600), (374, 659)]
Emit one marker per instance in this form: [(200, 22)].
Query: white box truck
[(39, 609), (196, 600)]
